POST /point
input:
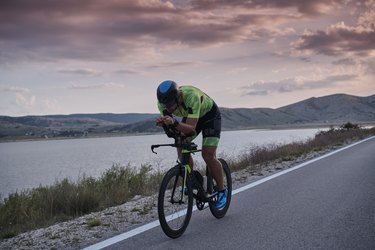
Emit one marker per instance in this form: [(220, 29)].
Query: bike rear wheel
[(211, 186), (175, 204)]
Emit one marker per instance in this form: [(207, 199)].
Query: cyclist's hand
[(187, 140), (165, 120), (168, 120), (159, 121)]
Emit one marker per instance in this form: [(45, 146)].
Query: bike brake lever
[(152, 148)]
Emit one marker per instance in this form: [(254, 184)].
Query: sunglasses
[(169, 104)]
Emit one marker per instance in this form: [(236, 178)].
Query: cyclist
[(199, 113)]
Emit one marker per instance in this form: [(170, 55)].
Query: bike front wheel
[(211, 186), (175, 203)]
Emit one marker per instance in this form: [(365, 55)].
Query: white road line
[(154, 224)]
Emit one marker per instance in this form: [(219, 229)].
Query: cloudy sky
[(69, 56)]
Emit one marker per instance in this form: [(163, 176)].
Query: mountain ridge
[(331, 107), (326, 110)]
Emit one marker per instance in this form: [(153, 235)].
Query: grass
[(46, 205), (94, 222), (254, 157)]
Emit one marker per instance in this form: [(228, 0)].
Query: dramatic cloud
[(118, 30), (346, 61), (127, 72), (310, 8), (174, 64), (76, 30), (87, 72), (295, 84), (110, 86), (283, 47), (341, 39)]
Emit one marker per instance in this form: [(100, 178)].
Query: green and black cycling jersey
[(196, 104)]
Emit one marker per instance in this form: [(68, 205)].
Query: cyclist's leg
[(211, 136), (214, 165)]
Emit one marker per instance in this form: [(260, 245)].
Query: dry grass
[(43, 206), (324, 139)]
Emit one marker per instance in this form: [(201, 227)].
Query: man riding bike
[(199, 113)]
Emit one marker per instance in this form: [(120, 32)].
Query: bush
[(349, 125)]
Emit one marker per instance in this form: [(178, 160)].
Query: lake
[(28, 164)]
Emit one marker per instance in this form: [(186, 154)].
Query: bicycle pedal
[(205, 207), (210, 196), (201, 205)]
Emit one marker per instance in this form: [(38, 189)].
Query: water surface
[(29, 164)]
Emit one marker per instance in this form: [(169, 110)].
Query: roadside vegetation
[(256, 156), (66, 199)]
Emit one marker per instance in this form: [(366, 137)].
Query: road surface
[(327, 204)]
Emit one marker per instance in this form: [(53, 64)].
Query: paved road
[(329, 204)]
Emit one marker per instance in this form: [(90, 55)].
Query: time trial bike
[(181, 185)]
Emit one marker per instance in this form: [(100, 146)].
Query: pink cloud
[(341, 39), (96, 30)]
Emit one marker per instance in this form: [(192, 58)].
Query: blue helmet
[(167, 93)]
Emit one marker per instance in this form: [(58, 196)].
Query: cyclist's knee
[(209, 155)]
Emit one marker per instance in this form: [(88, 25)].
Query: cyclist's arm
[(194, 102), (187, 127)]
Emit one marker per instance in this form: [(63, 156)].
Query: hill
[(109, 117), (334, 109), (240, 118), (74, 125), (327, 110)]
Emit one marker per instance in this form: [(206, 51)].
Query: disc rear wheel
[(212, 187)]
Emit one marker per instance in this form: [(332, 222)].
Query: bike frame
[(183, 165)]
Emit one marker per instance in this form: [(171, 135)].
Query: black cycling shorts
[(210, 126)]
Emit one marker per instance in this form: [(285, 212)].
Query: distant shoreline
[(109, 135)]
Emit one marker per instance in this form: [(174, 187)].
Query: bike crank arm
[(206, 197)]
